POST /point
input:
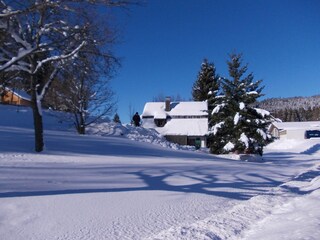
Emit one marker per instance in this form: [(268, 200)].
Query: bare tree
[(131, 112), (40, 34), (87, 97), (87, 93)]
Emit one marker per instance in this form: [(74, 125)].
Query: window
[(160, 122)]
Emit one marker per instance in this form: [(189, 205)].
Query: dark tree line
[(294, 109), (298, 115)]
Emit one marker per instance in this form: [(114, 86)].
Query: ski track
[(239, 221)]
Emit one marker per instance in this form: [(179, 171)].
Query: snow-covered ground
[(120, 182)]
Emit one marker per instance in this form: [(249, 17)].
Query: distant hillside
[(293, 109)]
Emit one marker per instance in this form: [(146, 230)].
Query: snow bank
[(277, 214), (243, 157), (21, 116), (305, 146), (298, 216), (139, 134)]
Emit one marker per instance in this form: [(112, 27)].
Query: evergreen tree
[(207, 84), (206, 87), (235, 124), (116, 118)]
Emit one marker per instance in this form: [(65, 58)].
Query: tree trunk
[(82, 127), (38, 128), (82, 130), (37, 117)]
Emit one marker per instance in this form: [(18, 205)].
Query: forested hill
[(293, 109)]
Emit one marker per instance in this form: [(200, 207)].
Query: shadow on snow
[(203, 181)]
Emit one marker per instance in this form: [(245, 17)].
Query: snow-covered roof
[(157, 109), (184, 118), (184, 126), (188, 127), (22, 94), (297, 125), (153, 108)]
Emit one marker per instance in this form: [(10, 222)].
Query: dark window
[(160, 122)]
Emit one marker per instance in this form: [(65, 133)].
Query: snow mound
[(139, 134), (305, 182), (21, 116), (303, 146), (243, 157), (107, 129)]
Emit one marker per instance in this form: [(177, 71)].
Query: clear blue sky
[(165, 41)]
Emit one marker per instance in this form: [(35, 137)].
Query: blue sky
[(165, 41)]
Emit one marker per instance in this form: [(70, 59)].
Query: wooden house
[(9, 96)]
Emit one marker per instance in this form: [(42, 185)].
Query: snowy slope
[(108, 185)]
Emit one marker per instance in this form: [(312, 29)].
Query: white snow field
[(107, 186)]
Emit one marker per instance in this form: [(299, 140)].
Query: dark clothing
[(136, 120)]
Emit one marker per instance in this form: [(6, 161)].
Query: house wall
[(282, 134), (182, 140), (186, 140), (274, 132), (293, 134), (192, 141), (24, 102), (9, 98), (296, 134)]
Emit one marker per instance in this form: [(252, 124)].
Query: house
[(185, 123), (292, 130), (17, 97)]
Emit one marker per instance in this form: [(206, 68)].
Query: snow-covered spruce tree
[(236, 125), (206, 86), (39, 33)]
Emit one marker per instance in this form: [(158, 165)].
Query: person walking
[(136, 119)]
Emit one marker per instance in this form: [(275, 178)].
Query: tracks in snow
[(235, 222)]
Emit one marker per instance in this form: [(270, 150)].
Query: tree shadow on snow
[(286, 159), (199, 181), (306, 178), (315, 148)]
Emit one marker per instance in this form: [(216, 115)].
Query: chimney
[(167, 104)]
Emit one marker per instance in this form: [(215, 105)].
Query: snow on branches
[(244, 128), (38, 39), (263, 113)]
